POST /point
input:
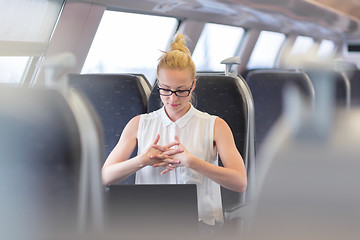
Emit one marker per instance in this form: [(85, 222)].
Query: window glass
[(25, 30), (266, 50), (120, 47), (302, 45), (12, 69), (216, 43), (30, 20), (326, 49)]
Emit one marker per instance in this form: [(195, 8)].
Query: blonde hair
[(178, 57)]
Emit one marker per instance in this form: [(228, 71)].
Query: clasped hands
[(166, 156)]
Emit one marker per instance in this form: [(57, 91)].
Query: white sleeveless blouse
[(196, 132)]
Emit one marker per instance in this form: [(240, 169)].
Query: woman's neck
[(174, 116)]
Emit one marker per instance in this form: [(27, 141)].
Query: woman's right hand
[(160, 156)]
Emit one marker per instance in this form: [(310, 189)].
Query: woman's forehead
[(174, 78)]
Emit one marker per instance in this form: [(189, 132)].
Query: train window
[(266, 50), (129, 43), (326, 49), (302, 45), (12, 69), (31, 21), (25, 31), (216, 43)]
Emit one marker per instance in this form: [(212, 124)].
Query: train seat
[(267, 87), (45, 163), (354, 78), (230, 99), (294, 198), (342, 88), (116, 98)]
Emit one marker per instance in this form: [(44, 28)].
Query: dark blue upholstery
[(266, 87), (117, 98), (40, 158), (222, 96)]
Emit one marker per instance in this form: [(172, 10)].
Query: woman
[(178, 143)]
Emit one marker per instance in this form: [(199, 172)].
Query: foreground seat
[(295, 200), (50, 148)]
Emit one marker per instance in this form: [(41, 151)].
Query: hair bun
[(178, 57), (179, 44)]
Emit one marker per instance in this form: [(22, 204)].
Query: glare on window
[(326, 49), (216, 43), (302, 45), (12, 69), (120, 47), (266, 50)]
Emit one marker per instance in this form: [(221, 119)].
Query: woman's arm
[(118, 166), (232, 175)]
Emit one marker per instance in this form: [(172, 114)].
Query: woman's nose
[(173, 97)]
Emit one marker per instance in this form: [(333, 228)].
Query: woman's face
[(180, 81)]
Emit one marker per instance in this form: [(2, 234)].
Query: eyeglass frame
[(175, 92)]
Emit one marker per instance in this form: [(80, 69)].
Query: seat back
[(40, 155), (354, 78), (116, 98), (287, 202), (341, 91), (228, 98), (267, 87), (51, 146)]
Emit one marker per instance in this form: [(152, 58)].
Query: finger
[(173, 151), (166, 171), (165, 159), (172, 144), (159, 147), (156, 139), (164, 148), (161, 164), (172, 161), (173, 165), (170, 167), (160, 157), (177, 139)]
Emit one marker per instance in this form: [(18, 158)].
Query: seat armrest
[(242, 210)]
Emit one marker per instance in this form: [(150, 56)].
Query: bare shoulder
[(221, 124), (132, 126), (134, 121), (221, 129)]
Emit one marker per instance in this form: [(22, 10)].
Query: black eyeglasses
[(179, 93)]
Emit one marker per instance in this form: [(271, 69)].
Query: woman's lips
[(174, 105)]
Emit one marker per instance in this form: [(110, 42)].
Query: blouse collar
[(181, 122)]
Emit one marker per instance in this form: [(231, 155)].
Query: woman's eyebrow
[(166, 86)]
